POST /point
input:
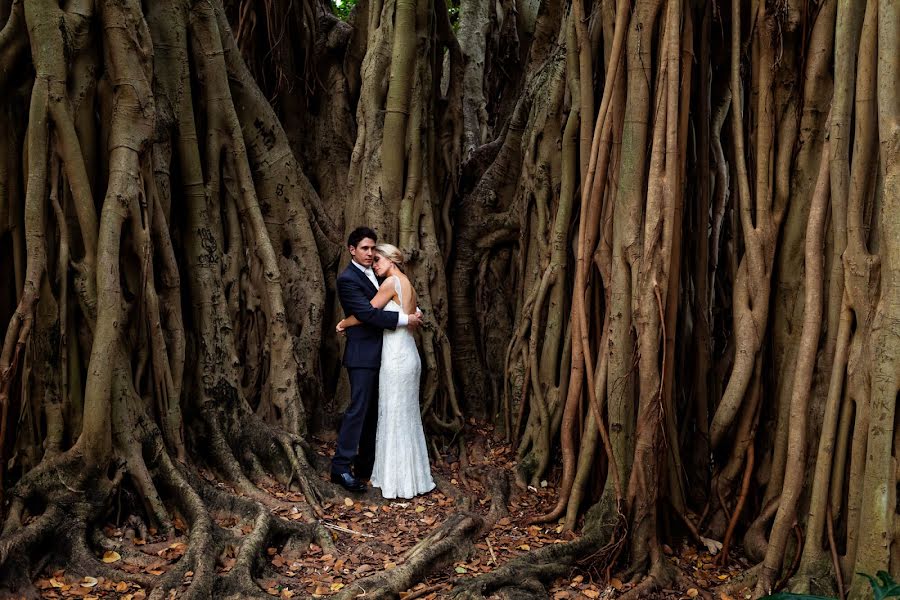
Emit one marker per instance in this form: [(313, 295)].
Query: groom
[(356, 286)]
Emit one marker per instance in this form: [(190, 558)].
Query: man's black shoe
[(348, 482), (362, 471)]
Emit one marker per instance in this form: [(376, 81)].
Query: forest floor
[(372, 534)]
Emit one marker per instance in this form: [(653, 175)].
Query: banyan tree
[(656, 242)]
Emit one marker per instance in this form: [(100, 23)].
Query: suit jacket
[(363, 347)]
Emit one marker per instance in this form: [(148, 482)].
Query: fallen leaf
[(336, 586), (111, 556), (420, 509), (693, 593), (348, 502), (88, 582), (56, 583), (616, 583), (122, 586), (591, 593), (713, 546), (461, 570)]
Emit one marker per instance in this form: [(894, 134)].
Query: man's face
[(364, 252)]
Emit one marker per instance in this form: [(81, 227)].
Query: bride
[(401, 456)]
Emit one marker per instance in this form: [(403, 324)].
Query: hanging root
[(152, 416)]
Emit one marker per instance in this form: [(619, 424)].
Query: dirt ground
[(372, 534)]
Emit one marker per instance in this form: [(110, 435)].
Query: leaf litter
[(371, 535)]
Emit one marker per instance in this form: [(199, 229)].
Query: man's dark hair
[(360, 233)]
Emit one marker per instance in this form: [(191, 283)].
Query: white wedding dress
[(401, 457)]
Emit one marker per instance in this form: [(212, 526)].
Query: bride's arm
[(385, 293), (350, 321)]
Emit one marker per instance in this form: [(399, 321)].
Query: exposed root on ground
[(452, 541)]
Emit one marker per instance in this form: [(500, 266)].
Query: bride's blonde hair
[(392, 253)]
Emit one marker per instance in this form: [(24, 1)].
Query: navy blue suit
[(362, 358)]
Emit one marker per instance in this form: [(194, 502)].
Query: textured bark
[(645, 253)]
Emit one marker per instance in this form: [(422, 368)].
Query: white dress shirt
[(403, 319)]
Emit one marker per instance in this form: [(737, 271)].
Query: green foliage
[(883, 587), (342, 8), (453, 13)]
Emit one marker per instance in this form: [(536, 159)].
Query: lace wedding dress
[(401, 457)]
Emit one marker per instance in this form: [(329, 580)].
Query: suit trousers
[(356, 439)]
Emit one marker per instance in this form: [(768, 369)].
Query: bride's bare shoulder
[(406, 283)]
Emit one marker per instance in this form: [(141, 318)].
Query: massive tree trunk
[(755, 114), (145, 193)]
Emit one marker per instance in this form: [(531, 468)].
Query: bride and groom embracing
[(381, 435)]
